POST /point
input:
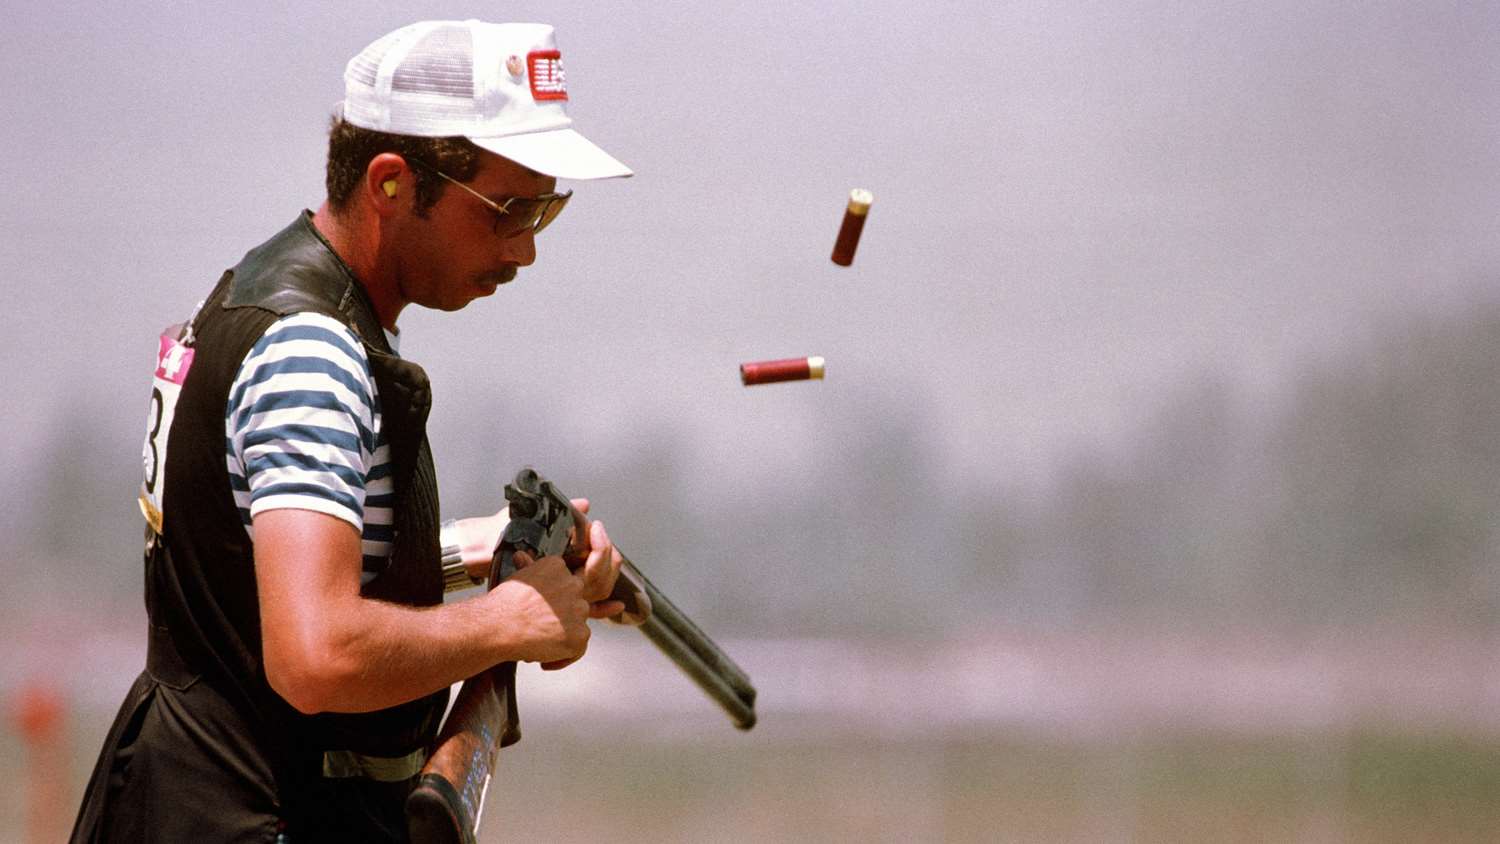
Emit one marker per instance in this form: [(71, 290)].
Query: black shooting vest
[(203, 749)]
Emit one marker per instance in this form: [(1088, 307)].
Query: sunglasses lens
[(549, 210), (522, 214), (513, 221)]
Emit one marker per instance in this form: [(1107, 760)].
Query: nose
[(520, 249)]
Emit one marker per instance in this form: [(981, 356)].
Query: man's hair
[(350, 149)]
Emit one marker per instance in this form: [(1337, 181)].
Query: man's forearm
[(376, 654), (387, 654), (326, 648)]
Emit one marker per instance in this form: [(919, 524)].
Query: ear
[(387, 181)]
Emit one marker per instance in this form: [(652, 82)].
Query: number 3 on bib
[(173, 360)]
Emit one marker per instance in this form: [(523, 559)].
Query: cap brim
[(560, 153)]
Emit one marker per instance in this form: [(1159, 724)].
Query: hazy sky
[(1077, 207)]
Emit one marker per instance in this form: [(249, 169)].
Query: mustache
[(501, 276)]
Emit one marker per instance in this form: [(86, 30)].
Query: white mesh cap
[(501, 85)]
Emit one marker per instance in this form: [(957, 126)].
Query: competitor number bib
[(173, 359)]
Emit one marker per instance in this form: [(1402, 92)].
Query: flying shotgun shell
[(854, 223), (791, 369)]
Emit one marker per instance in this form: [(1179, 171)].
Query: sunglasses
[(516, 214)]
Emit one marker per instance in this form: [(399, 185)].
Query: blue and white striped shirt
[(303, 430)]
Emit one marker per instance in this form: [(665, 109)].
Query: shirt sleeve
[(301, 421)]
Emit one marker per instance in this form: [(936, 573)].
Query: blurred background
[(1151, 493)]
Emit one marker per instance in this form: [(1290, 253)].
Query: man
[(300, 652)]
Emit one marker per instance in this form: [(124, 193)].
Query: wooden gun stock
[(446, 804)]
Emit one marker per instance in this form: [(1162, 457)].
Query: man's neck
[(357, 243)]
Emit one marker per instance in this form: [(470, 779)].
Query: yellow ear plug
[(390, 187)]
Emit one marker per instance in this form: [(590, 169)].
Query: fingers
[(602, 539), (602, 566), (606, 609), (579, 544), (522, 559), (598, 538)]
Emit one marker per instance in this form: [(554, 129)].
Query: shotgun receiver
[(445, 805)]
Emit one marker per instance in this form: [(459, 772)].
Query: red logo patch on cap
[(547, 79)]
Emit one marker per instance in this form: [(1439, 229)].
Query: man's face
[(453, 256)]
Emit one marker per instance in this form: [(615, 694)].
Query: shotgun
[(446, 804)]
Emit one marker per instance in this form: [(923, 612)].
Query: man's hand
[(544, 602), (549, 603), (596, 576)]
